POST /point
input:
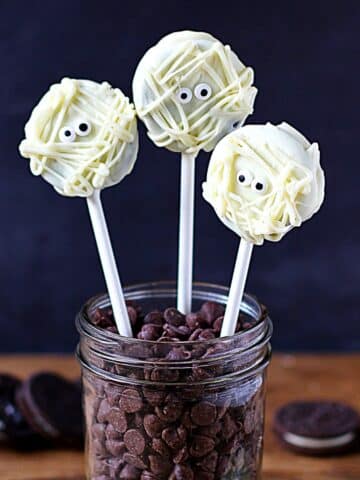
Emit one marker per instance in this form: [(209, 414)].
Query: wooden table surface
[(290, 377)]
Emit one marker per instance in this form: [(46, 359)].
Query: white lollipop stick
[(108, 263), (186, 233), (237, 288)]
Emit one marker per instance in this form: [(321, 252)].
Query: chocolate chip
[(229, 427), (223, 466), (115, 466), (112, 394), (201, 475), (182, 331), (135, 461), (164, 374), (201, 445), (129, 472), (203, 413), (98, 447), (132, 315), (199, 374), (181, 456), (111, 433), (206, 334), (186, 420), (153, 426), (145, 475), (100, 467), (178, 354), (159, 465), (194, 321), (232, 445), (211, 311), (182, 472), (117, 419), (174, 437), (208, 463), (211, 430), (130, 400), (137, 420), (174, 317), (134, 442), (115, 447), (98, 431), (195, 335), (214, 350), (155, 318), (198, 351), (223, 408), (150, 332), (218, 324), (154, 397), (249, 422), (112, 329), (103, 411), (102, 317), (172, 409), (160, 447)]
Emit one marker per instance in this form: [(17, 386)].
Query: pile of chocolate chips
[(44, 411), (172, 325), (159, 432)]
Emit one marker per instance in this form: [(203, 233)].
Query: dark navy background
[(305, 55)]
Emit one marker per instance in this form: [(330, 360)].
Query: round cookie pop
[(191, 90), (82, 137), (262, 180)]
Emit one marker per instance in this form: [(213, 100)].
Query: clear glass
[(151, 414)]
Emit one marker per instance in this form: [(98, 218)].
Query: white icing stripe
[(77, 163), (184, 61), (304, 442)]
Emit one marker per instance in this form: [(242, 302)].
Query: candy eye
[(184, 95), (83, 128), (67, 134), (244, 178), (202, 91), (258, 186), (236, 124)]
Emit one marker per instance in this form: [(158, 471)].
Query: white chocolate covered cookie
[(81, 136), (263, 180), (191, 90)]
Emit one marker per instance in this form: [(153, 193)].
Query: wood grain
[(290, 377)]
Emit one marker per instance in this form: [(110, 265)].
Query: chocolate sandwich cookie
[(52, 406), (317, 427), (13, 427)]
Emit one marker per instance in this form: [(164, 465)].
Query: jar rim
[(233, 376), (250, 347), (85, 327)]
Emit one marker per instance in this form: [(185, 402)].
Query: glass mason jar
[(174, 410)]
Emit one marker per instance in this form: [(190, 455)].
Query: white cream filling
[(305, 442)]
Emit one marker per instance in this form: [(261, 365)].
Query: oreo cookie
[(13, 427), (317, 427), (52, 406)]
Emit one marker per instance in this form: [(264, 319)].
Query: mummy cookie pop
[(82, 137), (191, 90), (262, 181)]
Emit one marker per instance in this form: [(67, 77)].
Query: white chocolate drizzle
[(185, 62), (263, 180), (76, 162)]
